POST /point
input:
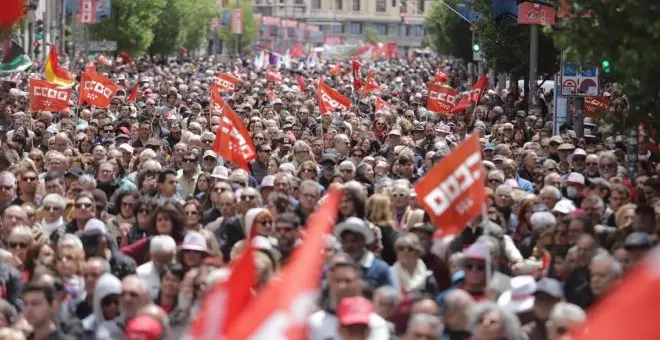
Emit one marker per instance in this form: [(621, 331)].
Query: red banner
[(232, 139), (453, 192), (301, 83), (382, 105), (357, 74), (275, 77), (442, 99), (530, 13), (87, 14), (594, 106), (283, 306), (330, 99), (226, 82), (45, 96), (96, 90), (441, 77), (392, 49), (473, 96)]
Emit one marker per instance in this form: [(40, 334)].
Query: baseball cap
[(144, 327), (489, 146), (477, 251), (564, 207), (268, 181), (75, 172), (354, 311), (550, 287), (209, 153), (575, 177), (395, 132), (328, 158), (355, 225), (638, 239), (126, 147)]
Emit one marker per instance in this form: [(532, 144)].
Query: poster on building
[(237, 21)]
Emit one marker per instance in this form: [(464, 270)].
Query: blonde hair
[(618, 216), (8, 333), (378, 210), (416, 216)]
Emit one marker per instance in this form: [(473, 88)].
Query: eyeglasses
[(189, 160), (308, 170), (473, 266), (606, 166), (83, 205), (248, 197), (258, 138), (144, 211), (264, 222), (29, 179), (18, 245), (108, 131), (52, 208), (208, 141)]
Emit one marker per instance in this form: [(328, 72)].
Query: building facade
[(346, 21)]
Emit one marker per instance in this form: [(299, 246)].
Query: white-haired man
[(162, 250)]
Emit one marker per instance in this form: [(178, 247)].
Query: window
[(420, 30), (420, 6), (402, 30), (339, 5), (356, 5), (380, 28), (380, 5), (337, 28), (403, 6), (355, 28), (316, 4), (299, 2)]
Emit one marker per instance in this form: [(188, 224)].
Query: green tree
[(371, 35), (627, 34), (249, 30), (197, 21), (131, 24), (170, 28), (448, 34)]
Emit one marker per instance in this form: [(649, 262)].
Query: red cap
[(144, 327), (125, 130), (354, 311)]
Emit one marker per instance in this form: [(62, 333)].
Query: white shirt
[(323, 326), (151, 276)]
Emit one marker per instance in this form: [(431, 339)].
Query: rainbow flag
[(54, 73)]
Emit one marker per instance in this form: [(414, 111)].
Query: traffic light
[(39, 30), (606, 66), (475, 47), (37, 46)]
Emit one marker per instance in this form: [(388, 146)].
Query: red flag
[(628, 310), (124, 58), (330, 99), (453, 192), (227, 82), (224, 302), (335, 70), (371, 84), (441, 76), (442, 99), (382, 105), (45, 96), (232, 140), (357, 74), (132, 97), (96, 90), (301, 83), (281, 309), (473, 96), (275, 77), (594, 106)]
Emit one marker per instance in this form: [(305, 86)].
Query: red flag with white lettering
[(281, 309), (330, 99), (473, 96), (357, 74), (226, 82), (632, 303), (232, 140), (132, 97), (442, 99), (275, 77), (96, 90), (224, 302), (593, 106), (453, 191), (441, 77), (371, 85), (45, 96), (382, 105)]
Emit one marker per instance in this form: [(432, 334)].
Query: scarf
[(411, 283), (49, 228)]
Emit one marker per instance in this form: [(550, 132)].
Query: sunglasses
[(189, 160), (18, 245), (29, 179), (83, 205), (6, 187), (308, 170), (144, 211), (52, 208)]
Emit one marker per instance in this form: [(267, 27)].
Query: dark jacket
[(229, 232), (68, 323), (120, 264), (210, 216), (389, 236), (12, 286), (577, 289)]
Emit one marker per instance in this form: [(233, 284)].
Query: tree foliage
[(448, 33), (371, 35), (169, 28), (198, 22), (131, 24), (627, 34), (249, 30)]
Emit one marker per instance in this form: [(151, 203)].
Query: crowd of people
[(116, 221)]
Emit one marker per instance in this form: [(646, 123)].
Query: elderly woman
[(53, 221), (488, 321), (564, 317), (410, 274)]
